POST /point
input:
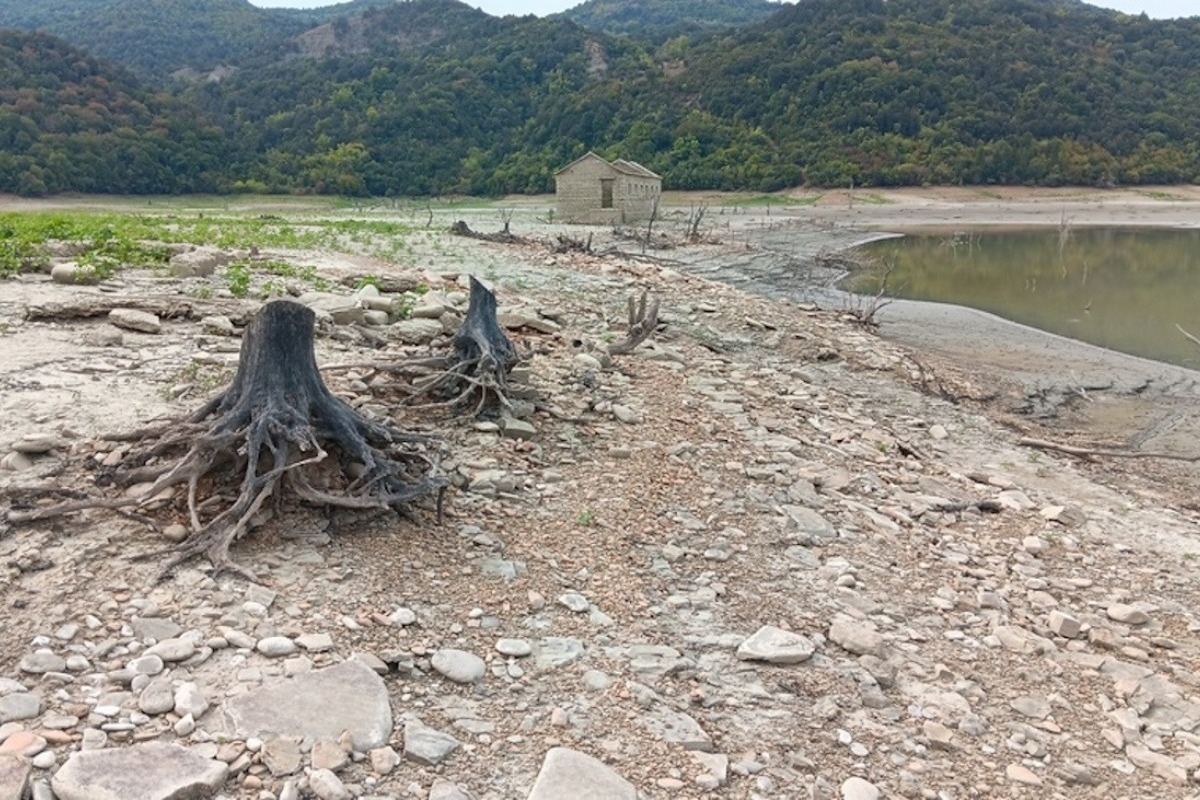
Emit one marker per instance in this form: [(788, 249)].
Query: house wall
[(577, 194), (636, 196)]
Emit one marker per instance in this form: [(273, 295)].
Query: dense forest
[(433, 97)]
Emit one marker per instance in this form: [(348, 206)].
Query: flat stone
[(567, 773), (856, 788), (443, 789), (517, 428), (459, 665), (384, 760), (858, 637), (319, 704), (808, 525), (514, 648), (157, 628), (217, 325), (133, 320), (282, 755), (41, 662), (14, 777), (678, 728), (342, 309), (157, 698), (556, 652), (426, 745), (172, 650), (776, 646), (1127, 614), (1019, 773), (153, 771), (328, 754), (574, 601), (19, 705), (315, 642), (1031, 706), (416, 331)]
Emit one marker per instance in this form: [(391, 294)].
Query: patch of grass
[(237, 278)]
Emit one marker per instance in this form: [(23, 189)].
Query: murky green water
[(1118, 288)]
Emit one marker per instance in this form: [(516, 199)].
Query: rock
[(282, 755), (190, 699), (198, 263), (157, 698), (172, 650), (14, 777), (574, 601), (102, 337), (567, 773), (776, 646), (1022, 774), (678, 728), (342, 309), (459, 665), (15, 462), (160, 629), (153, 771), (1031, 706), (859, 789), (939, 735), (68, 272), (275, 646), (328, 754), (443, 789), (514, 648), (1127, 614), (384, 760), (41, 662), (517, 428), (315, 642), (857, 637), (427, 746), (320, 704), (807, 526), (217, 325), (36, 444), (416, 331), (133, 320), (327, 786), (19, 705), (1064, 625), (556, 652)]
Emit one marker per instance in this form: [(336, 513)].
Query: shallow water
[(1118, 288)]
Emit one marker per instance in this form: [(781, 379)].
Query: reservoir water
[(1123, 289)]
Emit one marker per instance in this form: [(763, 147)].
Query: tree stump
[(475, 375), (274, 429)]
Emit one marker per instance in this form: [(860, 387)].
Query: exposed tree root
[(643, 321), (272, 431), (474, 377)]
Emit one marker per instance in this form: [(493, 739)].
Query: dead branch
[(461, 228), (1189, 336), (1093, 452), (643, 321)]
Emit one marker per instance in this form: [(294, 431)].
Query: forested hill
[(658, 20), (156, 38), (71, 123), (432, 96)]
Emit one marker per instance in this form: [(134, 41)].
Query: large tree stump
[(276, 428)]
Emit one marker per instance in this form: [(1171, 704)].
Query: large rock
[(568, 773), (316, 705), (776, 646), (344, 310), (133, 320), (154, 771), (198, 263), (14, 777)]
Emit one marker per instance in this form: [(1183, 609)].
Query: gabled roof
[(620, 165), (634, 168)]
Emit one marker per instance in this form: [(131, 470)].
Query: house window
[(606, 193)]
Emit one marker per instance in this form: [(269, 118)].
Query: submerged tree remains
[(475, 375), (277, 427)]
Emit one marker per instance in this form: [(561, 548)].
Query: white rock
[(859, 789), (459, 665), (776, 646), (134, 320)]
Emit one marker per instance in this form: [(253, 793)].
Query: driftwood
[(165, 306), (461, 228), (275, 429), (643, 321), (1092, 452)]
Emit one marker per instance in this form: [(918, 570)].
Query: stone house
[(598, 192)]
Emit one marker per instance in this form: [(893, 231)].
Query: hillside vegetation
[(433, 97)]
